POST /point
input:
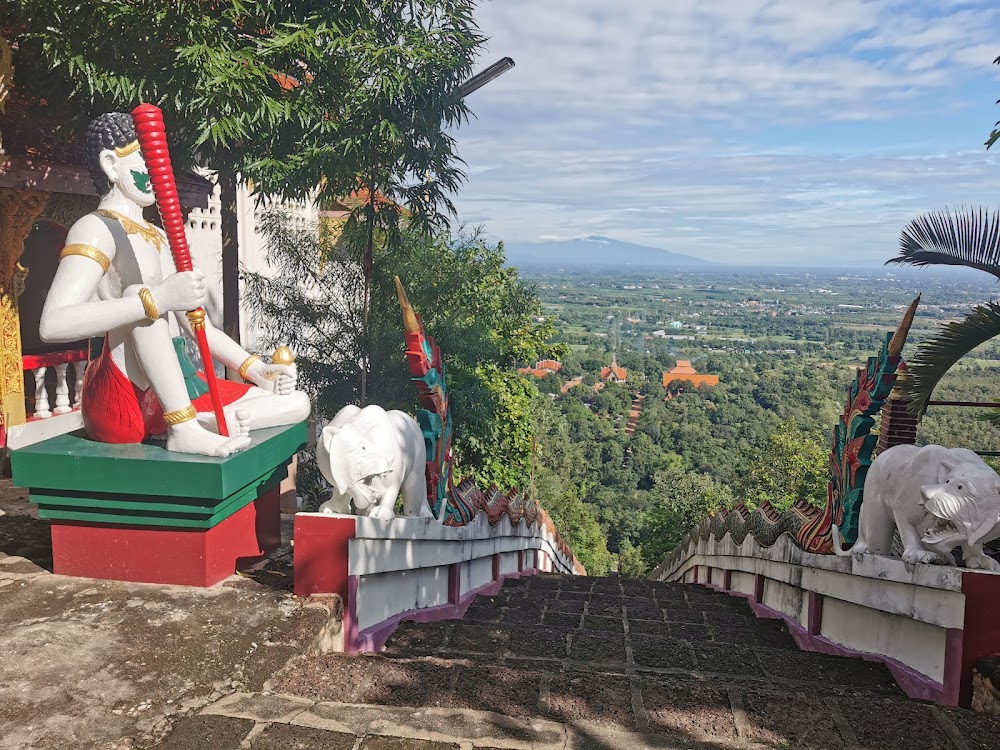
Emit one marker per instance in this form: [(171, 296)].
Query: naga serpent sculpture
[(456, 506)]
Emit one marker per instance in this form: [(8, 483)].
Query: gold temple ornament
[(197, 319), (180, 415), (246, 365), (283, 356), (149, 304)]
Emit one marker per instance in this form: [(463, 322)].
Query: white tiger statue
[(938, 498)]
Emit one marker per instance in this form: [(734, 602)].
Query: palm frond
[(938, 354), (960, 238)]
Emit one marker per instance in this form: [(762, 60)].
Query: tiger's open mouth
[(947, 510), (371, 486), (942, 530)]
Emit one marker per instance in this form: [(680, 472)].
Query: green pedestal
[(140, 513)]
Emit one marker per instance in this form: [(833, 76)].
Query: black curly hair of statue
[(107, 131)]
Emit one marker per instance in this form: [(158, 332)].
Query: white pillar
[(41, 394), (62, 390)]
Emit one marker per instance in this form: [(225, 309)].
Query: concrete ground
[(550, 662), (87, 663)]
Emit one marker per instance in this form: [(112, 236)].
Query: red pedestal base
[(186, 557)]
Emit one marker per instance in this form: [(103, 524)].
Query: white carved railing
[(55, 410), (928, 624), (36, 366), (414, 568)]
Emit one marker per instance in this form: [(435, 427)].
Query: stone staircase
[(602, 663)]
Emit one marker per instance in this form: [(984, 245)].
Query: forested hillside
[(784, 349), (624, 468)]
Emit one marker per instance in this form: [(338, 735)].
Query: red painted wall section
[(454, 584), (981, 635), (321, 554)]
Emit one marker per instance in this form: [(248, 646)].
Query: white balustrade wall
[(928, 624), (414, 568), (56, 407)]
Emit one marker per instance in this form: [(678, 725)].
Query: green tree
[(550, 384), (631, 563), (790, 466), (483, 316), (558, 483), (995, 135), (972, 239), (356, 96), (680, 499)]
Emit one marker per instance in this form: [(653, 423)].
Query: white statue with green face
[(116, 278)]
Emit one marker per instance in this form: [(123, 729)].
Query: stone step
[(577, 712), (614, 663)]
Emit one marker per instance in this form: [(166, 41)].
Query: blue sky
[(802, 132)]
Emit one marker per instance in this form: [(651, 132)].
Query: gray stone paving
[(551, 662), (602, 664)]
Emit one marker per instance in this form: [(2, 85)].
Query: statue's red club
[(153, 141)]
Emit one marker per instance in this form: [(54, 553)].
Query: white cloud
[(668, 122)]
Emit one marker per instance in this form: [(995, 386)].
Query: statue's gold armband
[(87, 251), (246, 365)]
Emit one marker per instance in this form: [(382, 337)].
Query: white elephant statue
[(369, 456), (938, 498)]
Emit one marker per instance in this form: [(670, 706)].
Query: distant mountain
[(596, 251)]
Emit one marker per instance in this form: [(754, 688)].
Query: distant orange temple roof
[(614, 373), (536, 371), (684, 371)]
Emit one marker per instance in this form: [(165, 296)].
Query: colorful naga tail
[(451, 507), (854, 443)]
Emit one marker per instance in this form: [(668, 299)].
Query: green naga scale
[(854, 443), (427, 371), (455, 505)]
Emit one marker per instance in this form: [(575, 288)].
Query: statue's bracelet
[(247, 364), (149, 304)]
